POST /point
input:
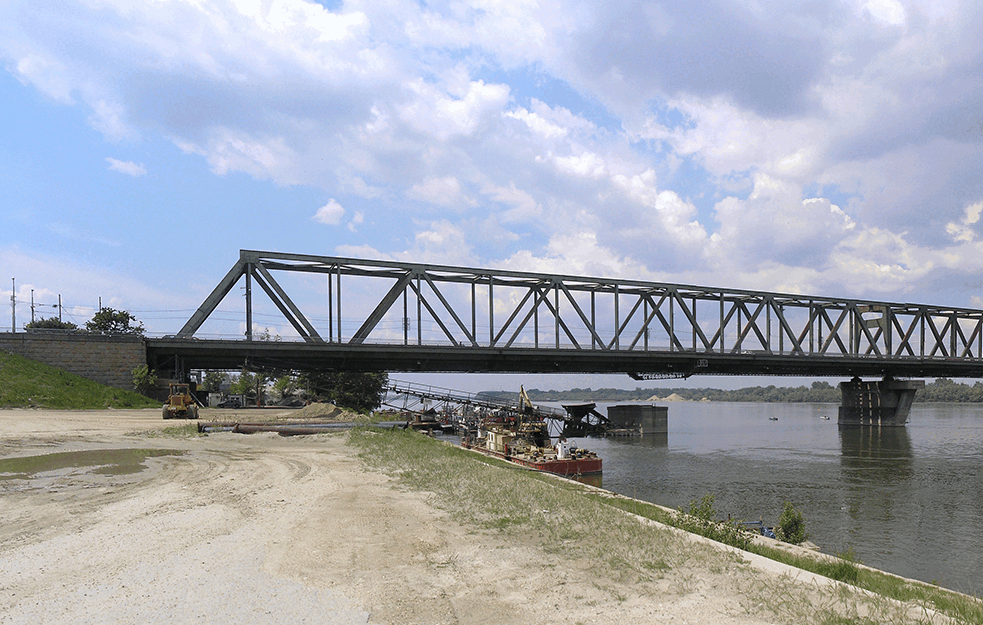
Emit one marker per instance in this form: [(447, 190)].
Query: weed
[(701, 519), (188, 430), (493, 494), (791, 525)]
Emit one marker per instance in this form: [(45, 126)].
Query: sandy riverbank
[(263, 529)]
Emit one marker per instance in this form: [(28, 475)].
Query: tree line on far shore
[(941, 390)]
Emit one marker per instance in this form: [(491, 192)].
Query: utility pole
[(32, 306), (59, 307), (13, 305)]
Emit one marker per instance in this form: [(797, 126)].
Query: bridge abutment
[(109, 360), (885, 403)]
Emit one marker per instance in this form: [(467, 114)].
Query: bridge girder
[(468, 319)]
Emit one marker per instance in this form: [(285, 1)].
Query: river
[(905, 500)]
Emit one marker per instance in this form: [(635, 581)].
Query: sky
[(814, 147)]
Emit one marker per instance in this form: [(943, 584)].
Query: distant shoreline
[(941, 390)]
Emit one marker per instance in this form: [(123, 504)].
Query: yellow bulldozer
[(180, 403)]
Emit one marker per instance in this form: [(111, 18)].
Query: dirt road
[(234, 529)]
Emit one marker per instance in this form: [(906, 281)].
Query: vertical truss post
[(723, 350), (888, 331), (952, 330), (593, 318), (419, 312), (693, 328), (813, 322), (491, 312), (556, 317), (740, 334), (338, 300), (327, 279), (617, 319), (769, 302), (645, 320), (249, 301), (672, 322)]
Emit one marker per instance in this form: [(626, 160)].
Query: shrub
[(144, 379), (791, 525)]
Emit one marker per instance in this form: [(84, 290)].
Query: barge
[(527, 443)]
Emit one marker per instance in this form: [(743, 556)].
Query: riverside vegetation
[(565, 517), (941, 390)]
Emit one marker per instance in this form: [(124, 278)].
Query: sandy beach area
[(236, 529)]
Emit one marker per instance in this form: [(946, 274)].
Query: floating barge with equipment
[(527, 443)]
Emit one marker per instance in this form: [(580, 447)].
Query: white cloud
[(126, 167), (445, 115), (357, 219), (444, 192), (886, 11), (775, 223), (629, 131), (963, 230), (537, 124), (330, 214)]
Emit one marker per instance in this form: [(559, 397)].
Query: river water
[(905, 500)]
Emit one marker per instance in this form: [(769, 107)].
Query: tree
[(51, 323), (213, 381), (144, 379), (251, 385), (354, 390), (110, 321), (284, 386)]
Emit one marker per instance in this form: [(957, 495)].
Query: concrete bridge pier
[(885, 403)]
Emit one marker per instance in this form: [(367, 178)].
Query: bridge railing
[(391, 302)]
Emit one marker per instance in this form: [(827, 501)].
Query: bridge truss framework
[(399, 316)]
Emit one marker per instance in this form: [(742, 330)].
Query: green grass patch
[(26, 383), (525, 506), (565, 517), (843, 568)]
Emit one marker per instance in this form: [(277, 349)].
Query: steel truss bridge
[(373, 315)]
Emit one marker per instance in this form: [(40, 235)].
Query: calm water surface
[(905, 500)]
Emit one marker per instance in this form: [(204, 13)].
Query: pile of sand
[(673, 397), (324, 412)]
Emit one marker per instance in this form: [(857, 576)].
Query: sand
[(236, 529)]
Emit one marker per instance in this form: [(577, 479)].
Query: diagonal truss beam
[(550, 311)]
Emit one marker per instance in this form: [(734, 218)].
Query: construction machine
[(180, 404)]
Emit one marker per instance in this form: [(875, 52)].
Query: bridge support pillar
[(885, 403)]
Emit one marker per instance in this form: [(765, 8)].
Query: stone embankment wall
[(109, 360)]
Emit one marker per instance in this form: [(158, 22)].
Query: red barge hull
[(567, 467)]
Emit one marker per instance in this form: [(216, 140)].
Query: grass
[(26, 383), (523, 506), (188, 430), (563, 517), (843, 568)]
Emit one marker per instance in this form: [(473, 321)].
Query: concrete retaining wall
[(109, 360)]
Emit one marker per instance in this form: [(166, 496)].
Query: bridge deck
[(228, 355)]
